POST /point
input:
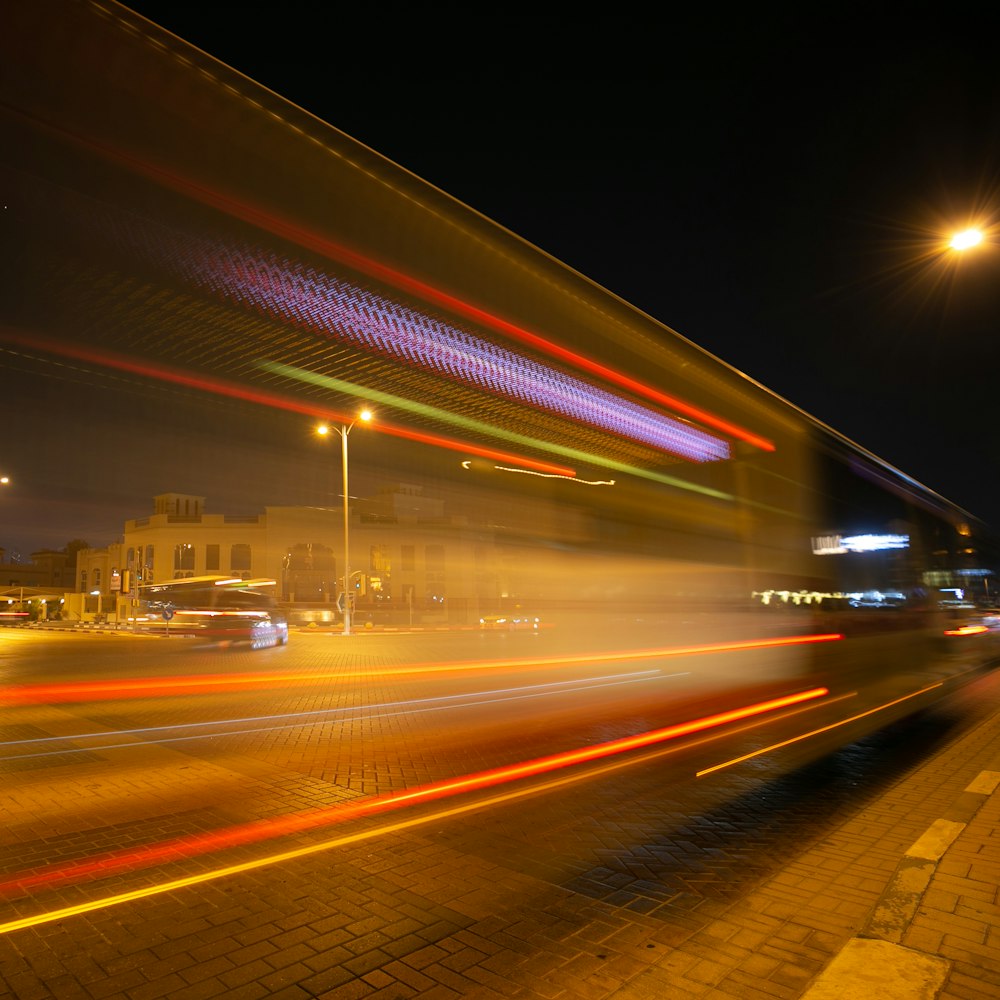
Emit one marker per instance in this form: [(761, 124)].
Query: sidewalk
[(935, 932), (902, 902)]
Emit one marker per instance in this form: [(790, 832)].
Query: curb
[(875, 963)]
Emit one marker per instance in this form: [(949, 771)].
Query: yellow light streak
[(467, 464), (815, 732), (437, 815), (487, 429)]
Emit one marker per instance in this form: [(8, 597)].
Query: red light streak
[(217, 614), (215, 683), (259, 830), (294, 231), (342, 255), (221, 388)]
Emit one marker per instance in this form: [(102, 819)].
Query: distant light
[(965, 240), (323, 429), (467, 464), (365, 415), (825, 545), (5, 480)]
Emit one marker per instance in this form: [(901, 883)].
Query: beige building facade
[(409, 560)]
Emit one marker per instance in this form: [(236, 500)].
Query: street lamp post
[(343, 431)]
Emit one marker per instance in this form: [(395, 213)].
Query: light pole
[(343, 431)]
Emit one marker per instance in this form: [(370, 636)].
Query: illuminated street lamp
[(345, 429), (966, 239)]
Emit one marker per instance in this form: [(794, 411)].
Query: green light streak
[(479, 427)]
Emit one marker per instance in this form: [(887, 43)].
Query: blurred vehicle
[(259, 627), (514, 622), (618, 476), (222, 611)]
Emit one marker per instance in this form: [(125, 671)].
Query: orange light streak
[(248, 833), (342, 255), (131, 687), (384, 830), (967, 630), (273, 400), (411, 822), (294, 232)]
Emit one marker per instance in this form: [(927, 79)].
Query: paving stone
[(747, 888)]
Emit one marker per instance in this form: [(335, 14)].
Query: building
[(33, 590), (410, 561), (48, 569)]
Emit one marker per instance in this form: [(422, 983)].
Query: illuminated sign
[(828, 545)]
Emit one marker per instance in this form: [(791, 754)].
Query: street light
[(345, 429), (966, 239)]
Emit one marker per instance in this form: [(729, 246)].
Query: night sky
[(779, 193)]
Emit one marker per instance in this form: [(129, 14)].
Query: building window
[(408, 558), (212, 558), (97, 579), (239, 558), (310, 572), (83, 580), (183, 557), (434, 560)]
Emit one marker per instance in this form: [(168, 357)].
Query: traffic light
[(361, 587)]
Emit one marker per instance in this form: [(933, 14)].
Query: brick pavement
[(446, 910), (858, 915)]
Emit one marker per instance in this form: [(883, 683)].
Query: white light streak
[(381, 711)]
